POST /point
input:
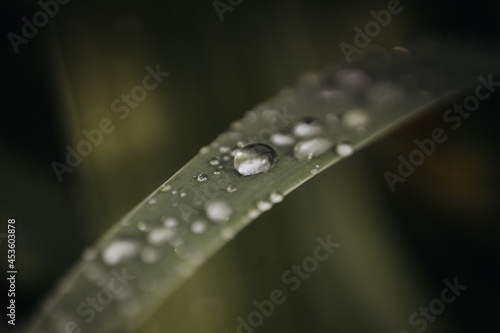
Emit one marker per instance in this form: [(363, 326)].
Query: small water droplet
[(218, 211), (119, 251), (142, 226), (216, 172), (332, 119), (198, 226), (174, 192), (356, 118), (224, 149), (214, 161), (281, 139), (182, 194), (276, 197), (152, 201), (169, 222), (159, 236), (255, 158), (254, 213), (204, 150), (263, 205), (344, 148), (307, 127), (165, 188), (310, 148), (231, 189), (314, 171)]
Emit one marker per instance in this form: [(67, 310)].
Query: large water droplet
[(311, 148), (307, 127), (119, 251), (218, 211), (255, 158)]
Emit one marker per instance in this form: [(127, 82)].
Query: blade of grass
[(161, 242)]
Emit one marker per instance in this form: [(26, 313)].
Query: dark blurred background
[(397, 248)]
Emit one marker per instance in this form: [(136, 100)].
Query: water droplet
[(254, 213), (263, 205), (344, 148), (165, 188), (169, 222), (198, 226), (142, 226), (119, 251), (356, 118), (255, 158), (281, 139), (307, 127), (182, 194), (226, 158), (231, 189), (311, 148), (204, 150), (314, 171), (218, 211), (149, 255), (159, 236), (332, 119), (174, 192), (152, 201), (224, 149), (216, 172), (276, 197), (214, 161)]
